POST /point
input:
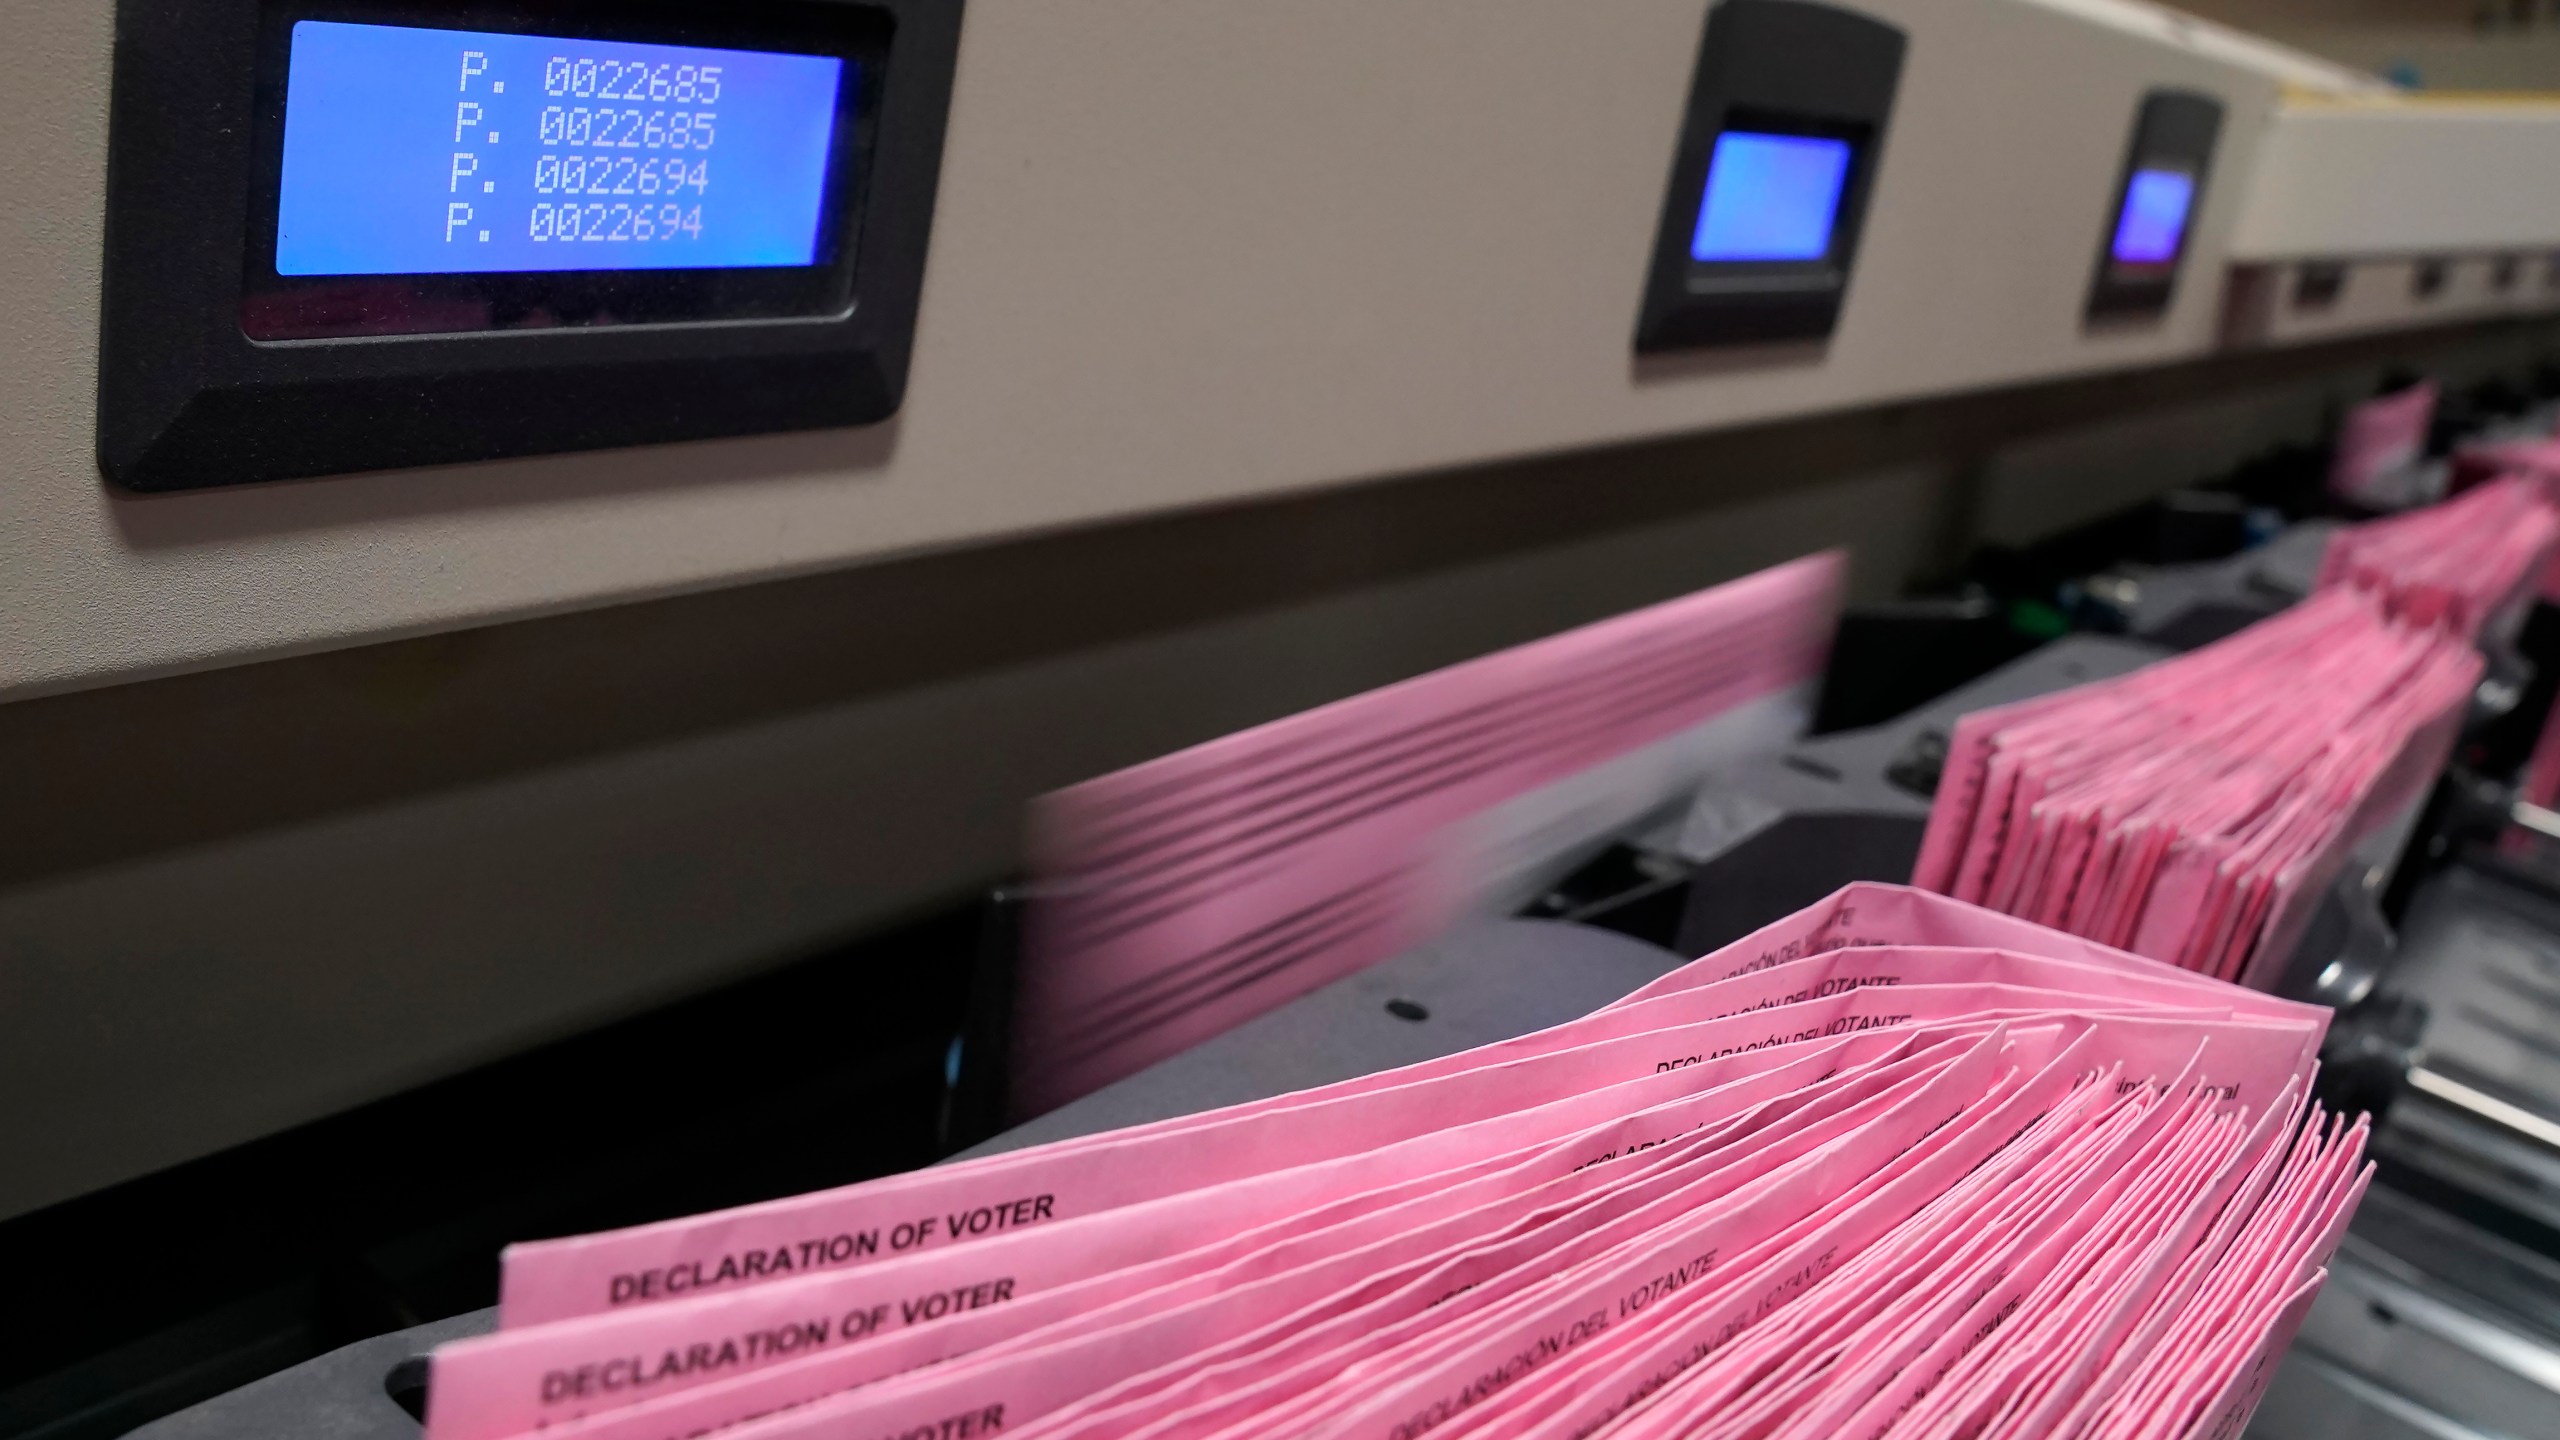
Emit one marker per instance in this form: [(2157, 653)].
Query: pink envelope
[(1952, 1154), (2020, 1183), (2082, 1303), (1191, 1400), (1893, 1165), (2182, 1367), (2379, 436), (1911, 1386), (906, 1214), (2172, 1304)]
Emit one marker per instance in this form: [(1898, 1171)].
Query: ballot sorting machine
[(1018, 268)]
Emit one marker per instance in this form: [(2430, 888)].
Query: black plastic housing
[(1789, 66), (186, 398), (2172, 130)]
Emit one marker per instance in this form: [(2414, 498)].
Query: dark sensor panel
[(1777, 156)]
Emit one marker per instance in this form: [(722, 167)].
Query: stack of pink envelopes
[(2534, 464), (2194, 811), (1894, 1166), (2475, 564), (1181, 897), (2534, 460), (2464, 564)]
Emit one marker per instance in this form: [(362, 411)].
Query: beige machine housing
[(2383, 211), (1178, 260)]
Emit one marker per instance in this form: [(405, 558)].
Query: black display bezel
[(187, 399), (283, 308), (1788, 67), (2172, 130)]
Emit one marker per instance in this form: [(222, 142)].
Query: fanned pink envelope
[(1177, 898), (1893, 1166)]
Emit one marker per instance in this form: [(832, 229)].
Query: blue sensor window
[(435, 152), (2154, 218), (1770, 197)]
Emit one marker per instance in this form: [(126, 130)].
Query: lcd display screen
[(437, 152), (1770, 197), (2154, 218)]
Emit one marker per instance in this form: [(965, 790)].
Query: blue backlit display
[(2154, 217), (423, 152), (1770, 197)]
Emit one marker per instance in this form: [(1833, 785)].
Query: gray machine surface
[(2166, 599), (2480, 958), (352, 1393), (1770, 835), (2437, 1322), (1479, 983), (2430, 1326), (1881, 769)]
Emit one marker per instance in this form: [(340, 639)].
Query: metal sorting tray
[(2481, 1109), (2429, 1327)]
